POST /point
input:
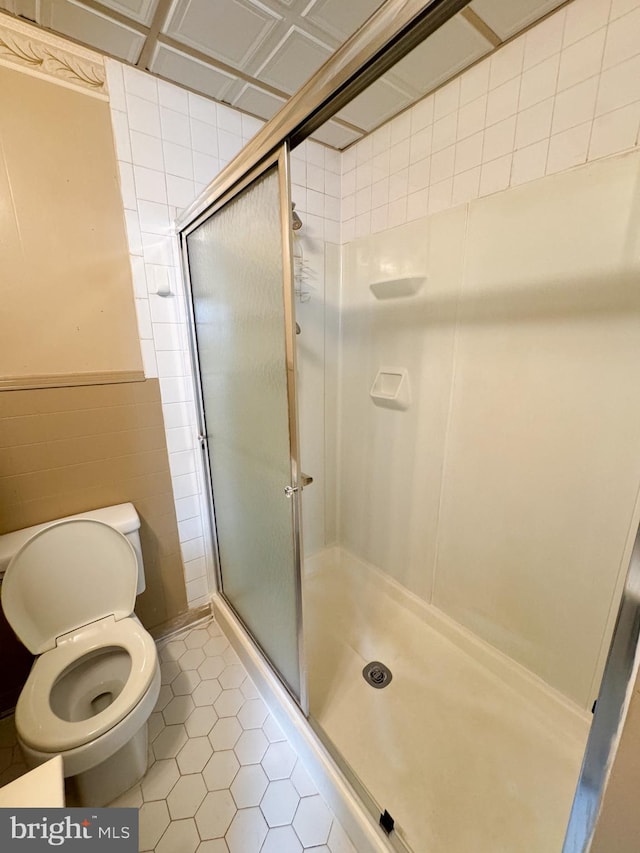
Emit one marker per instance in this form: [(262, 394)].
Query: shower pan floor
[(465, 757)]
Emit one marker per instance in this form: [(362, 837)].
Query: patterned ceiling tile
[(258, 102), (232, 37), (338, 18), (137, 10), (377, 103), (91, 27), (508, 18), (190, 72), (294, 60), (336, 135)]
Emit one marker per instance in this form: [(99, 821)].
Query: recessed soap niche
[(391, 388), (397, 288)]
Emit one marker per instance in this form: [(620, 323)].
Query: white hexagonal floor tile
[(225, 733), (131, 799), (281, 840), (168, 671), (164, 697), (221, 770), (216, 646), (279, 803), (194, 755), (201, 721), (312, 821), (251, 746), (153, 820), (247, 832), (249, 690), (214, 845), (211, 667), (178, 710), (232, 676), (196, 638), (272, 730), (302, 782), (249, 786), (155, 724), (186, 796), (173, 650), (181, 835), (191, 659), (170, 741), (207, 692), (252, 714), (185, 683), (279, 761), (230, 657), (339, 840), (160, 779), (215, 814), (229, 703)]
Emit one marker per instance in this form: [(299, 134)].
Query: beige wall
[(67, 295)]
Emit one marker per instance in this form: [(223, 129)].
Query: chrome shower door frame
[(216, 201)]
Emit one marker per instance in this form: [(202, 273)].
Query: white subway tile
[(539, 82), (544, 40), (180, 191), (417, 205), (534, 124), (148, 359), (575, 105), (143, 115), (363, 200), (621, 7), (619, 86), (442, 164), (380, 193), (158, 279), (446, 99), (332, 231), (469, 153), (615, 131), (140, 84), (127, 185), (146, 151), (495, 175), (503, 101), (475, 82), (154, 217), (315, 203), (380, 167), (178, 415), (398, 184), (363, 175), (229, 144), (568, 148), (120, 125), (175, 389), (332, 161), (348, 207), (115, 85), (363, 223), (466, 186), (150, 184), (171, 363), (229, 119), (421, 115), (440, 195), (381, 139), (298, 171), (203, 109), (529, 163), (444, 132), (173, 97), (379, 219), (314, 226), (499, 139), (397, 212), (143, 315), (332, 184), (205, 168), (164, 309), (506, 63), (197, 592), (419, 175), (420, 145), (180, 438), (472, 117), (168, 336), (401, 127), (175, 127), (349, 182), (193, 569), (178, 160), (191, 528), (156, 249), (584, 17), (349, 158), (138, 275), (134, 236), (348, 231), (184, 486), (299, 197), (364, 150), (331, 208), (623, 39), (399, 156), (581, 60)]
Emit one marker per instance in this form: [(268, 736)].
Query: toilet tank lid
[(123, 517)]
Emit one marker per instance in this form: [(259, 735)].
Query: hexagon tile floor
[(222, 777)]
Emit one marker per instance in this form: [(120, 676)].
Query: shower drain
[(377, 674)]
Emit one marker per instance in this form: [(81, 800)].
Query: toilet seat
[(40, 728)]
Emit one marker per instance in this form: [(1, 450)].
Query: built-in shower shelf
[(397, 288), (390, 388)]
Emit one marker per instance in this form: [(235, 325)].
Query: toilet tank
[(123, 517)]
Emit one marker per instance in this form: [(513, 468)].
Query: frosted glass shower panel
[(236, 270)]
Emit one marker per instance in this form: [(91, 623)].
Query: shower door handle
[(306, 480)]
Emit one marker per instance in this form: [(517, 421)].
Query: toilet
[(68, 591)]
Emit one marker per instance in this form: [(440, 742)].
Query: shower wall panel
[(505, 495)]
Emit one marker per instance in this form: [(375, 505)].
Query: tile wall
[(564, 93), (170, 144)]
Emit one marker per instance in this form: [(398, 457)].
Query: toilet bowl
[(68, 592)]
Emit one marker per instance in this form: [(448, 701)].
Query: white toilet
[(68, 591)]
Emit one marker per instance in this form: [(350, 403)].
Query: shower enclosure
[(473, 511)]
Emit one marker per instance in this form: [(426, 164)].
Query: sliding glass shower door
[(239, 267)]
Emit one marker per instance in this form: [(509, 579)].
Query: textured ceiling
[(254, 54)]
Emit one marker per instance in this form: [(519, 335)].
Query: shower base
[(467, 751)]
